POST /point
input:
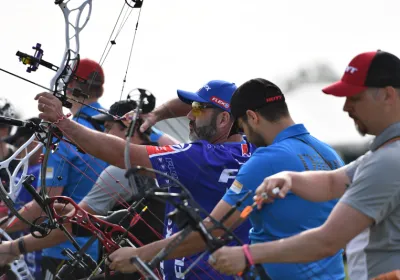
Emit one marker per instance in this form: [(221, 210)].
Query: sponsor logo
[(351, 69), (273, 98), (236, 187), (245, 150), (49, 173), (220, 102), (164, 150)]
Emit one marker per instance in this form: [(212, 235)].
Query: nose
[(190, 116), (347, 105)]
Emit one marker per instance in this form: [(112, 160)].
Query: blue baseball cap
[(216, 92)]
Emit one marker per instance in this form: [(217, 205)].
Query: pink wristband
[(247, 254), (62, 118)]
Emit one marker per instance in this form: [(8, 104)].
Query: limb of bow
[(106, 232), (72, 43), (56, 236), (8, 197), (30, 212)]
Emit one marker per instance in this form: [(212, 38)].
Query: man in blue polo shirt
[(262, 113), (69, 172)]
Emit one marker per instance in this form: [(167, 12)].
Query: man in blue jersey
[(261, 110), (69, 172), (207, 166)]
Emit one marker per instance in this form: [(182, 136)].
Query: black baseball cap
[(22, 132), (369, 69), (255, 94), (119, 109)]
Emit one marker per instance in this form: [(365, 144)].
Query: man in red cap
[(367, 218), (67, 172)]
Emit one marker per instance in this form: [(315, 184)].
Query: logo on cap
[(273, 98), (351, 69), (207, 87), (220, 102)]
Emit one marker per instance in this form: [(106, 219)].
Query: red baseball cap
[(91, 71), (370, 69)]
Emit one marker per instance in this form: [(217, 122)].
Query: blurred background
[(300, 45)]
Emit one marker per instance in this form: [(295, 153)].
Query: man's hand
[(8, 253), (120, 260), (228, 260), (50, 106), (149, 120), (277, 185)]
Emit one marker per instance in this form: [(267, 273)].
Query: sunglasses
[(197, 108)]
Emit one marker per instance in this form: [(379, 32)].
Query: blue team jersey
[(207, 171), (292, 215), (77, 173), (33, 259)]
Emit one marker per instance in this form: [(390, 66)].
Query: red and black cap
[(91, 71), (370, 69)]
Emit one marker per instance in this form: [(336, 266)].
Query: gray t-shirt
[(375, 192), (111, 188)]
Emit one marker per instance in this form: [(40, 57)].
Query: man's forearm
[(29, 212), (174, 108), (101, 145), (291, 250), (316, 186), (192, 244), (54, 238), (106, 147)]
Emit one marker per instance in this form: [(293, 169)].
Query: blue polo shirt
[(77, 173), (293, 149)]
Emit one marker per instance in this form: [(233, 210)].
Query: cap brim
[(13, 138), (101, 118), (189, 97), (342, 89)]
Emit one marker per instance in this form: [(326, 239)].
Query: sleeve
[(58, 166), (110, 188), (250, 176), (374, 191), (352, 167), (181, 161)]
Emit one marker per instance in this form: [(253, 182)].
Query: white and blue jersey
[(77, 173), (207, 171), (33, 259), (293, 149)]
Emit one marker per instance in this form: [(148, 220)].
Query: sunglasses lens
[(196, 109)]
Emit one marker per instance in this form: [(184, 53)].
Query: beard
[(360, 126), (205, 132), (255, 138)]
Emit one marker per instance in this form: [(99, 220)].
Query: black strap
[(323, 158), (89, 119)]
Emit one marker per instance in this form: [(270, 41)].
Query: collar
[(89, 111), (291, 131), (389, 133)]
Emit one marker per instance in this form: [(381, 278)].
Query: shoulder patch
[(236, 187)]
